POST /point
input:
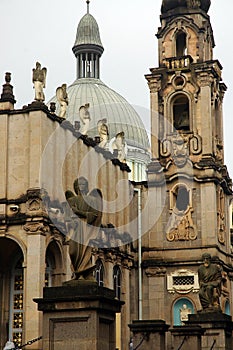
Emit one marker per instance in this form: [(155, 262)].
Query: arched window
[(16, 318), (181, 44), (99, 273), (181, 117), (117, 281), (181, 309)]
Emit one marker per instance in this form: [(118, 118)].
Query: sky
[(45, 31)]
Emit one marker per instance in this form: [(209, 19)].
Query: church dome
[(168, 5), (104, 103)]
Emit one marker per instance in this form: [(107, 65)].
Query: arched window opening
[(50, 266), (182, 198), (181, 118), (99, 273), (182, 308), (16, 318), (181, 44), (117, 281)]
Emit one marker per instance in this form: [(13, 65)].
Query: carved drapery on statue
[(210, 279), (86, 220)]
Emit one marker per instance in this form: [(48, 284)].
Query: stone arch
[(12, 286), (100, 272), (54, 260)]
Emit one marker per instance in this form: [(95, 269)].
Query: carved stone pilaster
[(205, 79), (155, 84)]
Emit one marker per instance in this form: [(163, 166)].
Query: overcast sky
[(45, 31)]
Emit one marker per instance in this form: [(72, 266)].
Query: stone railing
[(174, 63)]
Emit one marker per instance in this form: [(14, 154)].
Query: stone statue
[(184, 313), (210, 278), (88, 210), (62, 98), (103, 132), (39, 79), (85, 118), (120, 146)]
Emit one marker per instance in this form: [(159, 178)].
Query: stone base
[(79, 315), (186, 337), (149, 333), (217, 329)]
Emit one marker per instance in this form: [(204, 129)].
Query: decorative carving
[(205, 79), (155, 271), (155, 84), (181, 227), (36, 227), (34, 201), (165, 148), (195, 144), (221, 216), (180, 152)]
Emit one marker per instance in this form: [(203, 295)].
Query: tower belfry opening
[(181, 43)]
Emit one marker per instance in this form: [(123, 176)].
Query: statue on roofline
[(39, 80), (62, 98)]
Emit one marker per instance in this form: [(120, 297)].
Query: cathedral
[(142, 220)]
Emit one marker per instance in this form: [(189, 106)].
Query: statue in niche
[(87, 209), (210, 278), (39, 79), (184, 314), (62, 98), (103, 132), (85, 118), (120, 147)]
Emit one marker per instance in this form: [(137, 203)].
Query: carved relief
[(180, 151), (180, 226), (34, 201), (195, 144), (180, 147), (221, 216), (155, 271), (36, 227)]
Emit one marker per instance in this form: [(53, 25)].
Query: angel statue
[(87, 208), (119, 145), (38, 79), (85, 118), (103, 132), (62, 98)]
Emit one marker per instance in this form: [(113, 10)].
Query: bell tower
[(187, 173)]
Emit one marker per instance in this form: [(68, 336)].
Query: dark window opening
[(181, 47), (117, 281), (181, 113), (182, 199), (99, 273)]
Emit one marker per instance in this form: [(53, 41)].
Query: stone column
[(155, 87), (205, 80), (186, 337), (79, 315), (149, 333)]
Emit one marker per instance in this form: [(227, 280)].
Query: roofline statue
[(39, 80)]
